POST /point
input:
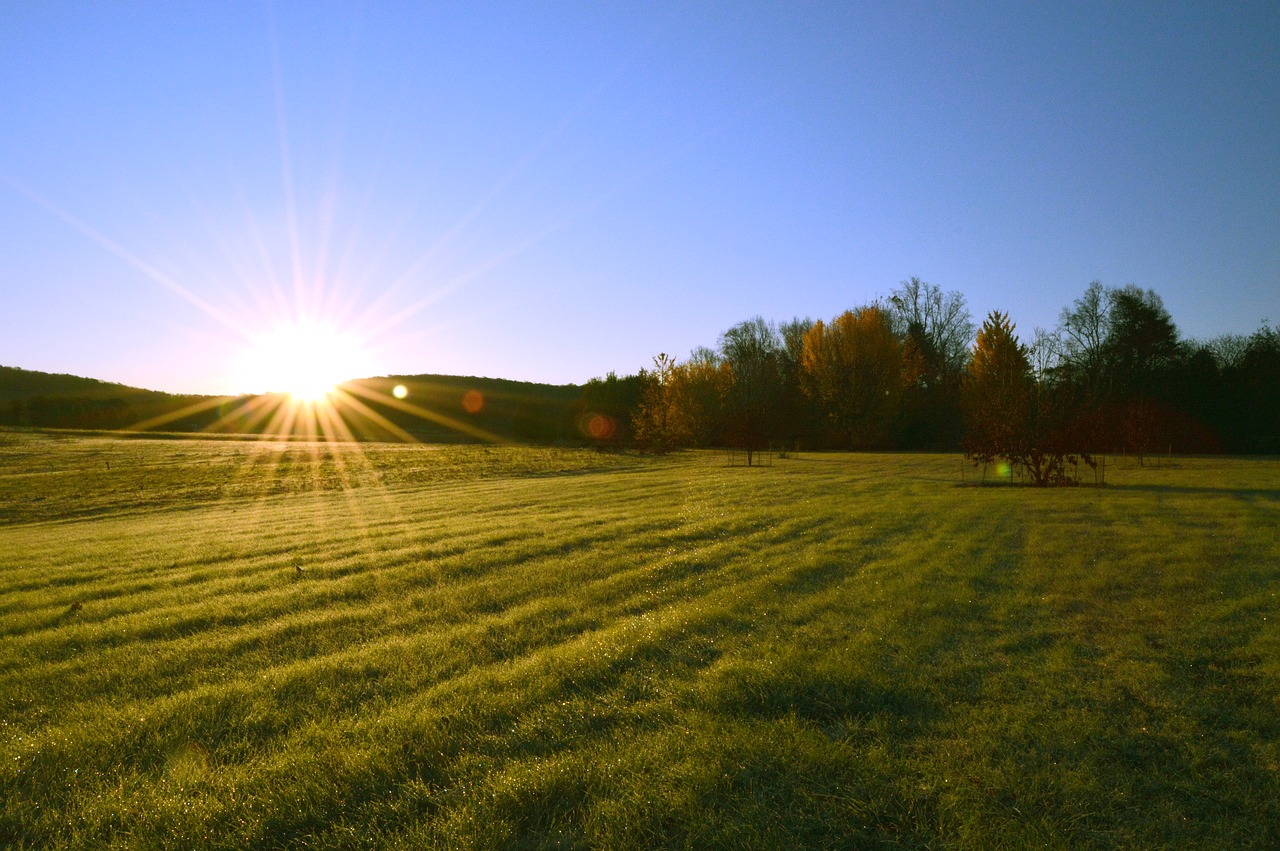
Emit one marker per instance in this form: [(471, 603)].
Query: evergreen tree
[(997, 392)]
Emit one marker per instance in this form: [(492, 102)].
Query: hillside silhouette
[(29, 398), (436, 408)]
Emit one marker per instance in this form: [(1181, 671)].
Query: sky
[(552, 191)]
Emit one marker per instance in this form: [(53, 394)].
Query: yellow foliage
[(683, 403), (853, 368), (997, 389)]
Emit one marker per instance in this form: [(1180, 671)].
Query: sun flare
[(305, 359)]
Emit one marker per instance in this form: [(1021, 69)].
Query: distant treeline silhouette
[(45, 400), (911, 371)]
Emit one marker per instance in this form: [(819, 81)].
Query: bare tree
[(941, 319), (1227, 350), (792, 334), (935, 330), (753, 352), (1044, 353), (1080, 340)]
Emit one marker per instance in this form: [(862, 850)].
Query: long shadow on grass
[(829, 698), (1265, 493), (1176, 764)]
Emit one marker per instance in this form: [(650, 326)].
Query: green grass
[(507, 647)]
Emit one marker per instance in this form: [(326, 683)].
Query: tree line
[(908, 371), (912, 371)]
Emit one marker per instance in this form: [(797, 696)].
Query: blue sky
[(547, 192)]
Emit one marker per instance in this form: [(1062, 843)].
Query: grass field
[(250, 644)]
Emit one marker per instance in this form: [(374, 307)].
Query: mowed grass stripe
[(835, 650), (323, 606), (220, 713), (53, 476)]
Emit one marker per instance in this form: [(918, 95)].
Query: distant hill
[(455, 407), (18, 383), (48, 400), (434, 408)]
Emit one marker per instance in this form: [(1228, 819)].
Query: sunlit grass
[(494, 646)]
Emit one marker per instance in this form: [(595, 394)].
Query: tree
[(1079, 346), (606, 411), (997, 393), (702, 386), (1141, 347), (1016, 415), (853, 370), (935, 330), (1227, 350), (1257, 383), (792, 336), (1043, 354), (939, 321), (798, 420), (683, 402), (753, 353), (655, 421), (1142, 356), (1115, 358)]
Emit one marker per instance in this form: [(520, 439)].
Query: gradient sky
[(547, 192)]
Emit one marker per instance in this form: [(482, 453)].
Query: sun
[(305, 359)]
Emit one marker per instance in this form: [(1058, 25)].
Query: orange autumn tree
[(1013, 415), (997, 392), (852, 369), (683, 402)]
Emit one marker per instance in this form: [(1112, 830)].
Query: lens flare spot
[(400, 391), (602, 427), (473, 401), (187, 763)]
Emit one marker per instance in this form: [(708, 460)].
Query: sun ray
[(260, 412), (282, 420), (172, 416), (494, 192), (337, 436), (124, 254), (368, 412), (240, 271), (426, 414), (347, 447), (286, 164), (281, 306)]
